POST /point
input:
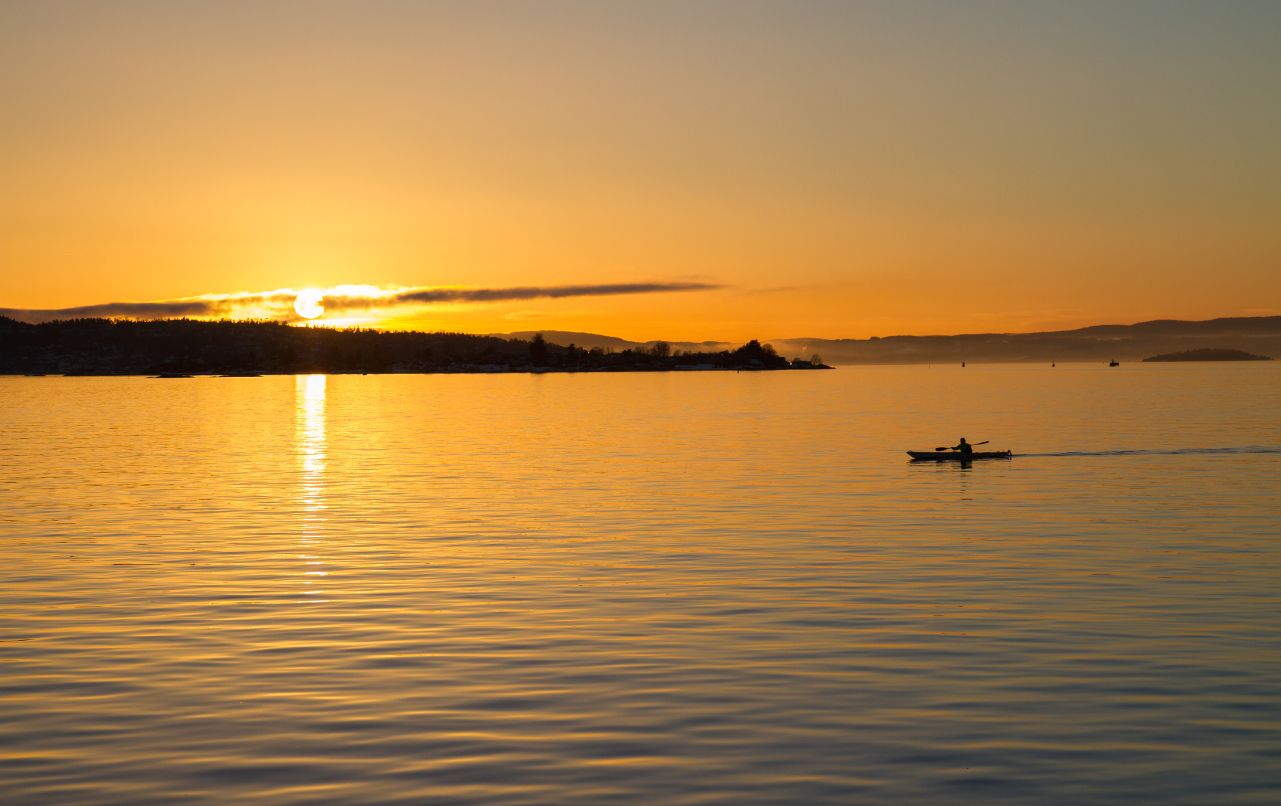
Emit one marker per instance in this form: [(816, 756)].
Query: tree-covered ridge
[(116, 347)]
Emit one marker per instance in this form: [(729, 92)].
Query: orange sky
[(833, 169)]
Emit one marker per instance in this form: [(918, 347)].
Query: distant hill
[(1208, 354), (589, 341), (1261, 334)]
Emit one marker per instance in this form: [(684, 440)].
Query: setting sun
[(307, 303)]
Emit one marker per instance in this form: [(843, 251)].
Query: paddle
[(984, 442)]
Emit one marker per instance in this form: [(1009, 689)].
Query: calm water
[(667, 588)]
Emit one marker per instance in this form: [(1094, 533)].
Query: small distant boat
[(957, 456), (1114, 363)]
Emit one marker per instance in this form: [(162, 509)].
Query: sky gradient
[(781, 169)]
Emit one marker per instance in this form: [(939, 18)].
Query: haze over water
[(676, 588)]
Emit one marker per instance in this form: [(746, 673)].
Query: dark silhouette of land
[(181, 347), (1209, 354), (114, 347)]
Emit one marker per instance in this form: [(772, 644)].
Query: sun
[(307, 303)]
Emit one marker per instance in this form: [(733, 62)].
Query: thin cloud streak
[(278, 304)]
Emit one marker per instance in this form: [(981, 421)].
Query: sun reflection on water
[(309, 439)]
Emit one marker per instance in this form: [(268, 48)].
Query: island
[(1209, 354), (176, 348)]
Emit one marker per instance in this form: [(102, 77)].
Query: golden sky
[(771, 170)]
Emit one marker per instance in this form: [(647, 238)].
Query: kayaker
[(964, 447)]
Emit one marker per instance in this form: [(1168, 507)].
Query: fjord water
[(648, 588)]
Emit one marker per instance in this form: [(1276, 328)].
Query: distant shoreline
[(126, 347), (617, 371)]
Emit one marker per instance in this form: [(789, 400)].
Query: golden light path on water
[(310, 445)]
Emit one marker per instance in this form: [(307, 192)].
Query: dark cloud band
[(283, 301), (124, 310), (424, 296)]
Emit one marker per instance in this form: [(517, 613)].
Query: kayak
[(956, 456)]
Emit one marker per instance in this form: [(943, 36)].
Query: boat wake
[(1168, 452)]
